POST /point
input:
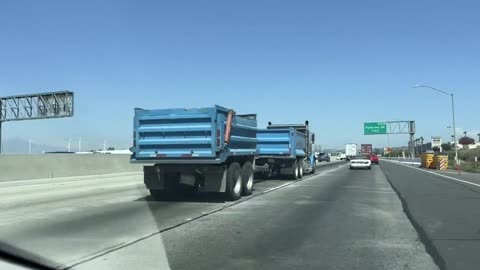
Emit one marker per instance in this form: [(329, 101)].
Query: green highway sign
[(374, 128)]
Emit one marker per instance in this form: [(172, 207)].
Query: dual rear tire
[(297, 170), (239, 180)]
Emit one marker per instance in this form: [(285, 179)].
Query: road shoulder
[(445, 212)]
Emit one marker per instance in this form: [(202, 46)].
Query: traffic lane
[(447, 214), (101, 220), (24, 202), (464, 176), (339, 220)]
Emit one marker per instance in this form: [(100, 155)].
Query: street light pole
[(454, 134), (457, 163)]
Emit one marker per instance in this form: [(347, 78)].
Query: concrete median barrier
[(20, 167)]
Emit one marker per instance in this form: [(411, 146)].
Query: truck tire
[(247, 179), (234, 182), (300, 169), (294, 170)]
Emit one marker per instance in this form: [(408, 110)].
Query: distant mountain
[(20, 146)]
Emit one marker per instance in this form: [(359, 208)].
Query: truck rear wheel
[(234, 182), (295, 172), (300, 169), (247, 179)]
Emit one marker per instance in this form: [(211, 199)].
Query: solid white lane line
[(73, 183), (274, 188), (442, 175), (299, 180), (66, 179)]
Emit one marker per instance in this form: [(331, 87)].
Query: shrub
[(446, 146), (469, 154)]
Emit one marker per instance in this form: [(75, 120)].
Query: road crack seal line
[(203, 214), (430, 248)]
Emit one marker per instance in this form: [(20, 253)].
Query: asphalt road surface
[(336, 219), (445, 207)]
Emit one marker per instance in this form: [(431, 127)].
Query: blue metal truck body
[(285, 143), (285, 149), (207, 149), (191, 136)]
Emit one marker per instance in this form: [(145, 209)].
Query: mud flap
[(152, 179), (215, 180)]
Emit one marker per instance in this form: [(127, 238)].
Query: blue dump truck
[(201, 149), (285, 150)]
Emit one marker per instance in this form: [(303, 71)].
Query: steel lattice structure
[(400, 127), (35, 106)]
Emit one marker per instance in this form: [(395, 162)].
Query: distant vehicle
[(350, 150), (285, 149), (196, 149), (366, 148), (323, 157), (361, 162), (342, 157), (373, 158)]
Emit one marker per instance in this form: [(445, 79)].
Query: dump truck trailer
[(201, 150), (285, 150)]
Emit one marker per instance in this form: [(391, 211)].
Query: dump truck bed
[(191, 136), (284, 143)]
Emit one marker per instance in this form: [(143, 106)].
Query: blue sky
[(335, 63)]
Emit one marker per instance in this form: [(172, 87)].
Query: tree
[(446, 146), (465, 141), (111, 148)]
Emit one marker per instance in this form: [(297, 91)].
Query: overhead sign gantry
[(391, 127), (35, 106)]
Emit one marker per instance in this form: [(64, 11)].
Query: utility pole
[(104, 145), (80, 144)]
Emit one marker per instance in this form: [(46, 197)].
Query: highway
[(336, 219), (445, 208)]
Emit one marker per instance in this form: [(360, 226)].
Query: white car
[(361, 162), (342, 157)]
